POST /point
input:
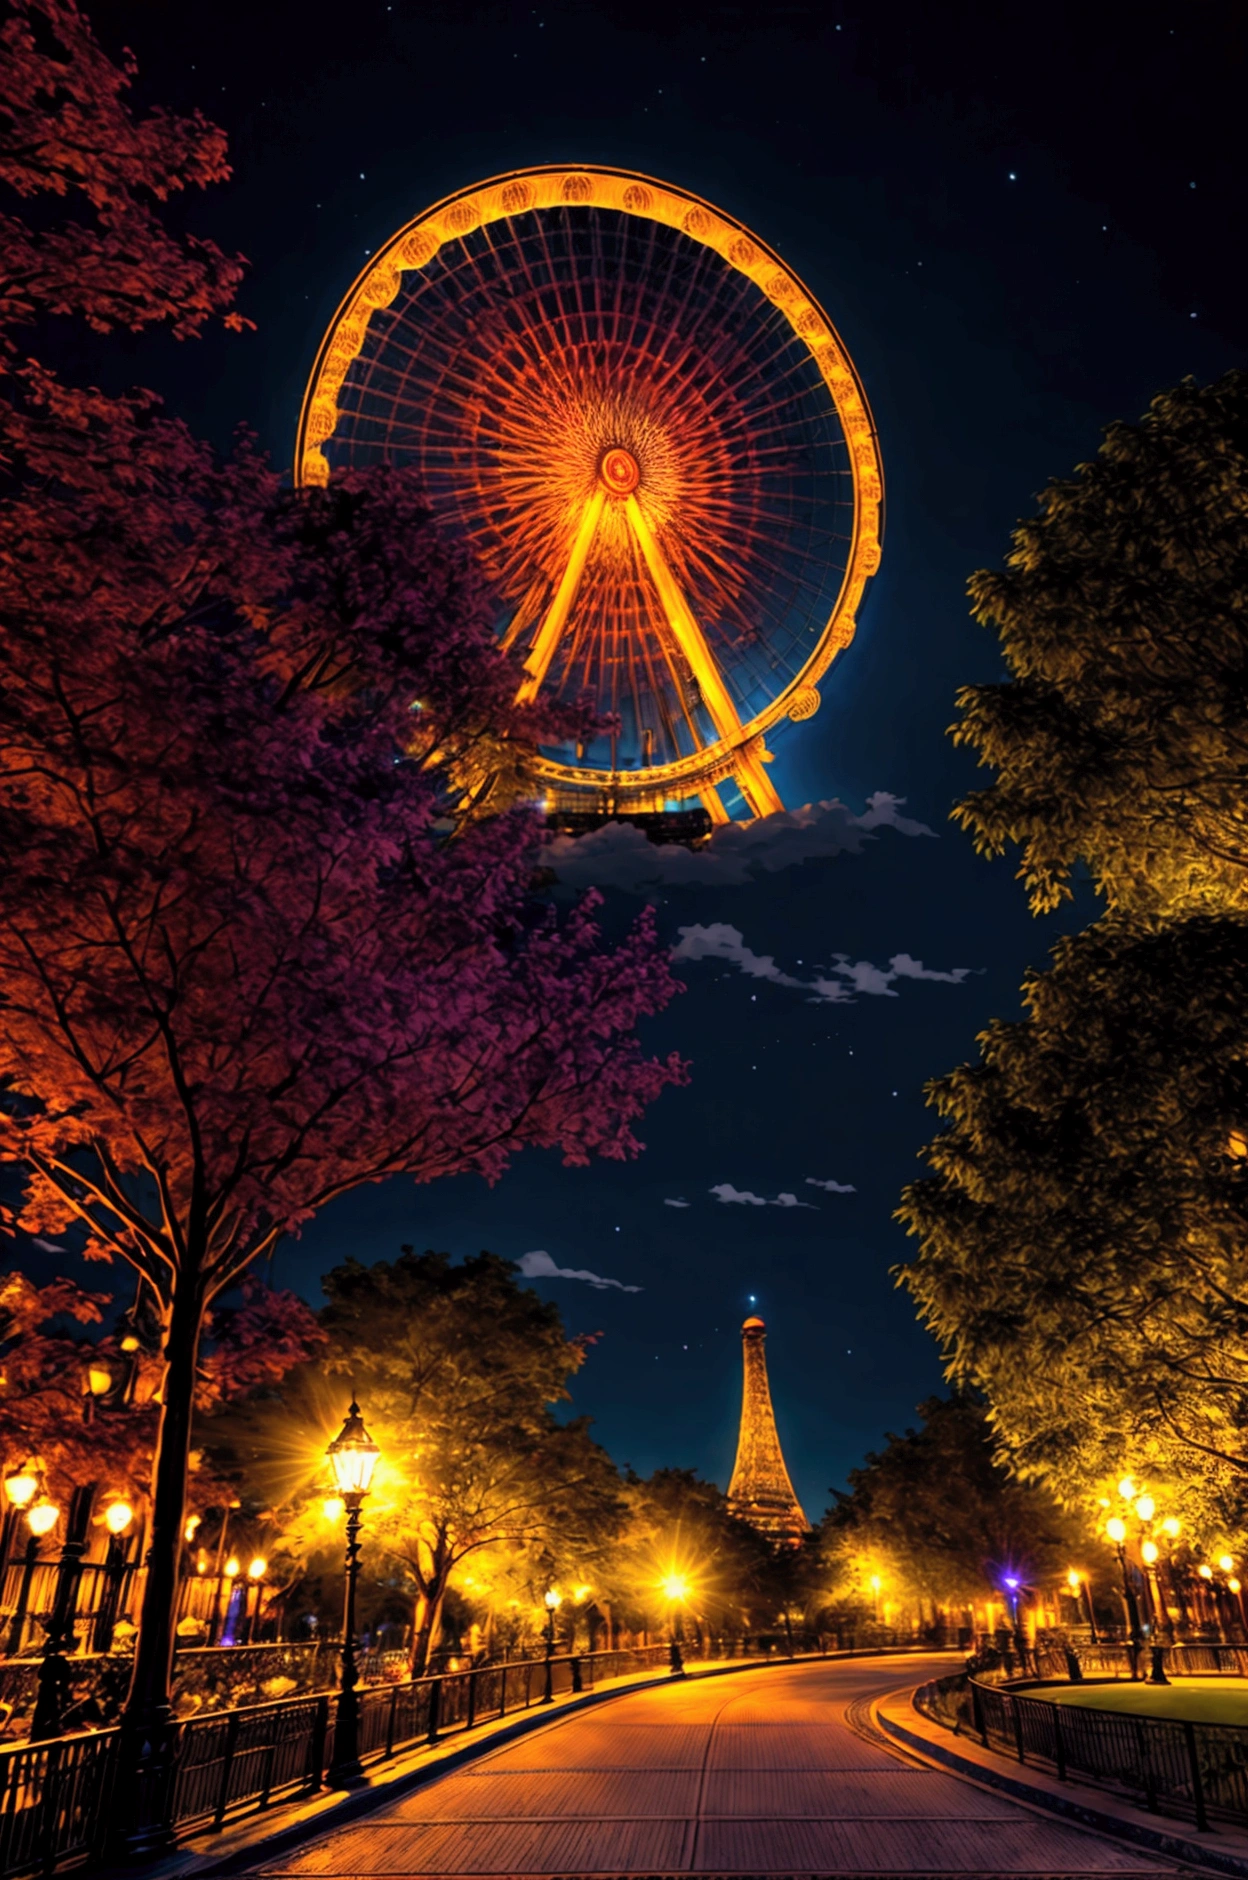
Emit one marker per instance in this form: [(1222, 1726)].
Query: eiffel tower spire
[(760, 1491)]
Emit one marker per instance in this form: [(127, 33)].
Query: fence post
[(577, 1686), (1016, 1714), (977, 1713), (435, 1709), (502, 1691), (472, 1700), (45, 1840), (390, 1720), (227, 1763), (316, 1748), (1059, 1743), (1198, 1787)]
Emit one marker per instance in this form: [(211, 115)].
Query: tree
[(942, 1521), (1083, 1233), (1121, 737), (251, 952), (456, 1368), (679, 1528)]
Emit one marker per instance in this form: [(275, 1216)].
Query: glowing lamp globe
[(353, 1456), (674, 1588), (42, 1518), (1072, 1578), (99, 1380), (1205, 1571), (553, 1600), (1146, 1507), (233, 1567), (258, 1568), (333, 1508), (1149, 1550), (21, 1486), (118, 1517), (1172, 1526), (1116, 1529), (1126, 1488), (1226, 1562)]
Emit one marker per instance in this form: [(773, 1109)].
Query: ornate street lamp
[(25, 1491), (1079, 1582), (353, 1455), (676, 1592), (1116, 1528), (552, 1602), (118, 1517)]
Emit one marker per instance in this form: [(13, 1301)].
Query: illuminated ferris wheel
[(654, 441)]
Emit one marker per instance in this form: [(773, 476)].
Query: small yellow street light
[(1146, 1507), (333, 1508), (1205, 1570), (42, 1517), (21, 1485), (1116, 1529), (1226, 1563), (1172, 1526), (1150, 1551), (193, 1524), (99, 1380), (233, 1567), (118, 1517), (258, 1568), (1127, 1488), (1073, 1577)]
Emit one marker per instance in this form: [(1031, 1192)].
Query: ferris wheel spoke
[(692, 642), (550, 632)]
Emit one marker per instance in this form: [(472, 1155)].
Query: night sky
[(1023, 222)]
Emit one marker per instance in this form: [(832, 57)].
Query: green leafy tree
[(1120, 739), (942, 1518), (458, 1369), (1083, 1235)]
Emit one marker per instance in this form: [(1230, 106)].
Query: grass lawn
[(1187, 1700)]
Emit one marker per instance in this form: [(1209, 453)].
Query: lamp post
[(215, 1623), (1012, 1583), (676, 1592), (54, 1671), (117, 1519), (552, 1601), (1116, 1528), (21, 1485), (255, 1573), (1080, 1582), (353, 1455), (41, 1517)]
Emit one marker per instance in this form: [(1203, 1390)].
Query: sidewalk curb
[(257, 1847), (1175, 1845)]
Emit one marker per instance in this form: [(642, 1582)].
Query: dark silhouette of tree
[(1083, 1237), (253, 949), (937, 1509), (1121, 737)]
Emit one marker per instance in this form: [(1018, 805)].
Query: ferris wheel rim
[(378, 283)]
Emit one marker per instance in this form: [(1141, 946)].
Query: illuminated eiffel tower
[(760, 1491)]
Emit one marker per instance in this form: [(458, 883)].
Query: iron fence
[(1194, 1771), (55, 1797)]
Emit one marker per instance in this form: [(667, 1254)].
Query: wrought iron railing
[(1190, 1770)]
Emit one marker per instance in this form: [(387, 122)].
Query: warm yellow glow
[(550, 633), (129, 1343), (1226, 1562), (1150, 1550), (99, 1380), (21, 1486), (675, 1588), (353, 1455), (258, 1568), (42, 1518), (1237, 1143), (333, 1507), (581, 1593), (118, 1517), (1127, 1488), (1073, 1577), (552, 1599), (1205, 1572), (201, 1562), (232, 1567), (1234, 1585), (876, 1582), (193, 1524), (1116, 1529), (1172, 1526), (1146, 1507)]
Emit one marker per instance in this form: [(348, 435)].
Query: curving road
[(775, 1771)]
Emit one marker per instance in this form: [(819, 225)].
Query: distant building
[(760, 1491)]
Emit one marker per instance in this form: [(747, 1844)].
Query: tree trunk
[(430, 1622), (147, 1721)]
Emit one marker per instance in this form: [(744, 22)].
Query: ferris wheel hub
[(619, 471)]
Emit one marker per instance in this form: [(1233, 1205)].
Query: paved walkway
[(775, 1771)]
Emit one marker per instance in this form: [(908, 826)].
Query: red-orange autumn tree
[(252, 954)]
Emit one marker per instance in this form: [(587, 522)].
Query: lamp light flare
[(1073, 1578), (1116, 1529), (1226, 1562), (1172, 1526), (118, 1516), (233, 1567), (1127, 1488), (675, 1588), (257, 1568), (333, 1508), (21, 1485), (1150, 1551), (1146, 1507), (193, 1524), (552, 1600), (99, 1380), (1205, 1570), (353, 1455), (42, 1518)]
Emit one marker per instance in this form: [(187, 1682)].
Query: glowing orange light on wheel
[(649, 432)]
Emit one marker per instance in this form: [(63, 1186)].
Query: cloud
[(619, 855), (858, 978), (539, 1265), (680, 1202), (831, 1188), (47, 1246), (724, 1191)]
